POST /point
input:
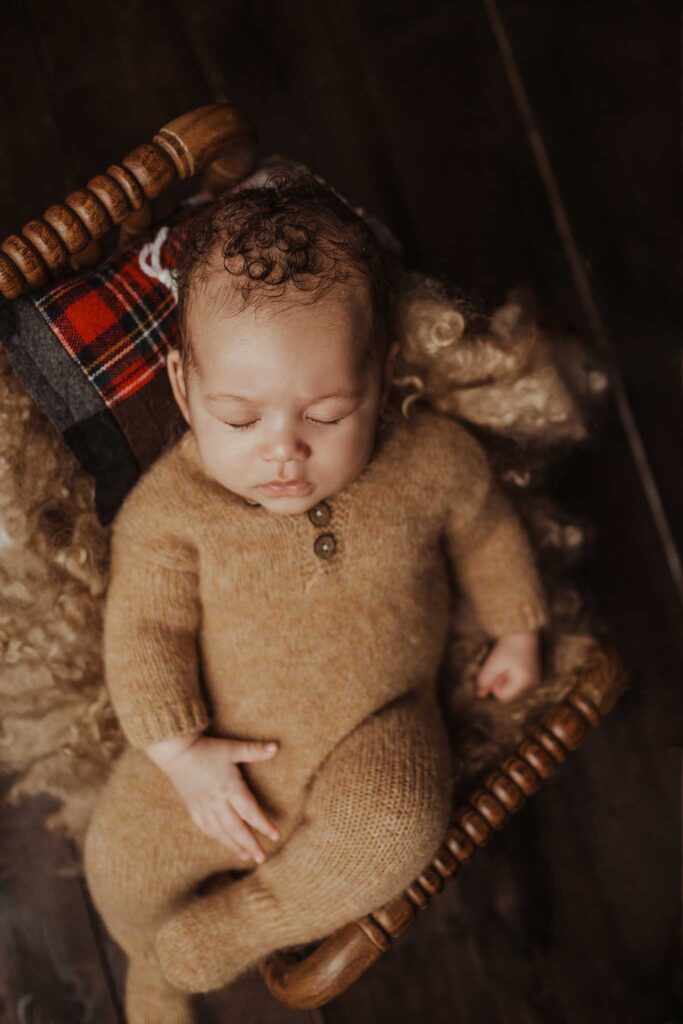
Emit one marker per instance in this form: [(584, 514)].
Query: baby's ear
[(387, 374), (176, 376), (394, 349), (389, 361)]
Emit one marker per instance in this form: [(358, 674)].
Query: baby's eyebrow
[(215, 396)]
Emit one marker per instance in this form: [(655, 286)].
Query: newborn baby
[(278, 610)]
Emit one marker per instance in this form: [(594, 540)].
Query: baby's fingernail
[(274, 834), (259, 858), (270, 747)]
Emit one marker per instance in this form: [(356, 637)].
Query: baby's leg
[(377, 811), (143, 856)]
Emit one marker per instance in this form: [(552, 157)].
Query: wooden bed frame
[(221, 142)]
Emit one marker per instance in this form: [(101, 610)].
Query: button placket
[(325, 544)]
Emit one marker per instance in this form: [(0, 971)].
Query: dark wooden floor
[(528, 141)]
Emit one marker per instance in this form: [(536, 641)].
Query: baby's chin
[(288, 505)]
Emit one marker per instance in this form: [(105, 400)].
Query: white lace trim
[(150, 262)]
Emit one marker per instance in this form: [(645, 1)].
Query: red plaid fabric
[(118, 320)]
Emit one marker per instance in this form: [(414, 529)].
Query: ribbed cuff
[(519, 618), (166, 723)]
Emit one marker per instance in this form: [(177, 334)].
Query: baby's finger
[(245, 804), (253, 751), (224, 836), (512, 688), (241, 833), (486, 684), (497, 682)]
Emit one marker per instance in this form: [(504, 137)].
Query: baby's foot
[(222, 932), (193, 957)]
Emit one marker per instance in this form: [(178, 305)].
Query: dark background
[(524, 142)]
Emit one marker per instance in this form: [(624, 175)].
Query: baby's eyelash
[(247, 426)]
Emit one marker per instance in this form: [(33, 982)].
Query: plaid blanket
[(91, 350)]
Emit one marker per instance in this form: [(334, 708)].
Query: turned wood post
[(219, 138)]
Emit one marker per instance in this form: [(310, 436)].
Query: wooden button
[(319, 514), (324, 545)]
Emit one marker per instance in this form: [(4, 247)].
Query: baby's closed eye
[(247, 426)]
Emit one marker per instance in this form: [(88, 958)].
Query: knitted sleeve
[(490, 549), (151, 620)]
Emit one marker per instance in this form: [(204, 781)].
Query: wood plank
[(117, 73), (50, 967), (612, 131), (612, 134), (451, 138), (33, 166), (298, 71)]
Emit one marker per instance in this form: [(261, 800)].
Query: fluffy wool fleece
[(526, 394)]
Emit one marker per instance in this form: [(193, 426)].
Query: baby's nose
[(284, 449)]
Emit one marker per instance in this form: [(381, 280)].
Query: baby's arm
[(151, 663), (151, 621), (495, 565)]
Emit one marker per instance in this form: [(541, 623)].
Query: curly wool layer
[(288, 236), (59, 732)]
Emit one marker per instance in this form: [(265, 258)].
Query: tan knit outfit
[(324, 630)]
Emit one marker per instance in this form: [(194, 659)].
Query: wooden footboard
[(344, 956)]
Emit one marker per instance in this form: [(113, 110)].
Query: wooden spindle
[(87, 257), (47, 243), (26, 259), (219, 135), (135, 225)]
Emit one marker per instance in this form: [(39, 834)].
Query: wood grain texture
[(26, 99), (50, 966), (614, 137)]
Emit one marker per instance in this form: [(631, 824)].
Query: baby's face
[(283, 394)]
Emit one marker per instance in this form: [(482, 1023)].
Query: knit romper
[(324, 630)]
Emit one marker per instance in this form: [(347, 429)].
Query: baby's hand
[(205, 775), (511, 667)]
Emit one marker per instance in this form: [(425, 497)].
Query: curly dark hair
[(290, 232)]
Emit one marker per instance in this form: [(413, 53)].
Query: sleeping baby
[(278, 610)]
